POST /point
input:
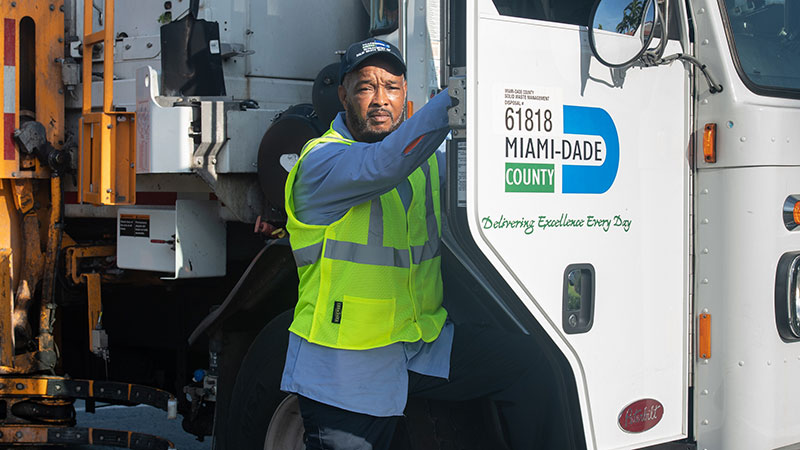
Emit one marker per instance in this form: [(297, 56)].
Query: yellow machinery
[(37, 404)]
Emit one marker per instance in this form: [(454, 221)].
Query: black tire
[(256, 392)]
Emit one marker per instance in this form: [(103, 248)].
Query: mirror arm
[(662, 17), (713, 86)]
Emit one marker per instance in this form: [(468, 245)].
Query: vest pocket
[(365, 322)]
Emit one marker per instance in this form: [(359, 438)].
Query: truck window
[(572, 12), (766, 38)]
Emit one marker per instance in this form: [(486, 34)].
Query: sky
[(610, 13)]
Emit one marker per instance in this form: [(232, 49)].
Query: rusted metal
[(32, 262), (54, 387), (26, 435), (47, 354), (74, 254), (22, 363), (95, 309), (31, 46), (6, 308), (93, 285), (10, 226)]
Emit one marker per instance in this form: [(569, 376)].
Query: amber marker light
[(704, 336), (710, 143), (796, 212), (791, 212)]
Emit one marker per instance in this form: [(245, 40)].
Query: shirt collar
[(340, 126)]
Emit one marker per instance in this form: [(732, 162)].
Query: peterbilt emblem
[(641, 415)]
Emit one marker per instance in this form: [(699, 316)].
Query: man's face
[(374, 98)]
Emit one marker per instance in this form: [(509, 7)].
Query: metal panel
[(148, 248), (187, 241), (623, 209), (200, 239), (283, 29), (244, 131), (163, 141)]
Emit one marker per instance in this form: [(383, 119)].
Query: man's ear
[(342, 96)]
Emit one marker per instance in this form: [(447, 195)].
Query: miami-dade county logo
[(586, 156)]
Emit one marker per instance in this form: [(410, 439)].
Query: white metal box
[(187, 241)]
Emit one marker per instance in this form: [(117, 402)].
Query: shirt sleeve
[(334, 177)]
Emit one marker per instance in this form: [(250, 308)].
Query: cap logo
[(374, 46)]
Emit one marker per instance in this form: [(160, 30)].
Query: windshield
[(766, 34)]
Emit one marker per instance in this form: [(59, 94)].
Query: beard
[(362, 131)]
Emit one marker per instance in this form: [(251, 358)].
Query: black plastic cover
[(191, 63)]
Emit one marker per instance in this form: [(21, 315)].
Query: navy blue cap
[(361, 51)]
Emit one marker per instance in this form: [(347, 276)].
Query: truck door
[(577, 191)]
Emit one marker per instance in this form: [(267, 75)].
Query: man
[(365, 224)]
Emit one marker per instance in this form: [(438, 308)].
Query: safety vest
[(373, 277)]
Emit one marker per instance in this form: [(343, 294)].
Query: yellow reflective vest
[(373, 277)]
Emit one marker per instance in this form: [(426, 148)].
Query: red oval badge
[(641, 415)]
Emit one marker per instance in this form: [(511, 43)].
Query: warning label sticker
[(134, 225)]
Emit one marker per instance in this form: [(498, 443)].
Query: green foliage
[(632, 17)]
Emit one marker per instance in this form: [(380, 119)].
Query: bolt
[(2, 386), (109, 191), (213, 160), (58, 387), (61, 8), (13, 4), (149, 45), (78, 435), (198, 161), (52, 7), (58, 435), (127, 46), (18, 434), (1, 434), (109, 126), (60, 91), (20, 386), (78, 388), (60, 40)]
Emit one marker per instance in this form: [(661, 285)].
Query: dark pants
[(484, 362)]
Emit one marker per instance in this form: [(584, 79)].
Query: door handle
[(577, 312)]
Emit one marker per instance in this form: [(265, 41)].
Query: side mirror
[(620, 31)]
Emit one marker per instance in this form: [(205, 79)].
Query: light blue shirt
[(327, 185)]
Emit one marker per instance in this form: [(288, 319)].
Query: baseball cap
[(361, 51)]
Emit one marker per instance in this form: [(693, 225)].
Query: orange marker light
[(704, 336), (409, 108), (710, 143), (796, 212)]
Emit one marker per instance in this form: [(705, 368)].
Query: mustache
[(376, 111)]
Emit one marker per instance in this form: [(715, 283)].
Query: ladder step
[(94, 38)]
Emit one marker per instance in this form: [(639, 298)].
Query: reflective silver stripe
[(307, 255), (430, 213), (429, 250), (375, 234), (367, 254), (328, 140)]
